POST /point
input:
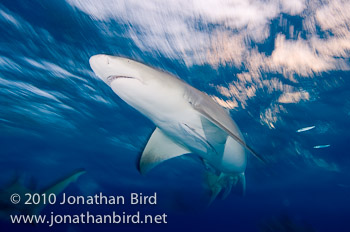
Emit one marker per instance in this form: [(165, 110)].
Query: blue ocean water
[(277, 73)]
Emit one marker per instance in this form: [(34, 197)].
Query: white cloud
[(228, 104), (293, 7), (220, 32), (298, 57), (171, 27), (334, 16), (293, 97), (226, 47), (235, 13), (271, 115)]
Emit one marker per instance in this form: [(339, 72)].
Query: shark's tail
[(220, 185)]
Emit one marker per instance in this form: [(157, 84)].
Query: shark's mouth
[(111, 78)]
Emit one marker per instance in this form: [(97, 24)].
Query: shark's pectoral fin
[(158, 149), (208, 116), (61, 184), (56, 188)]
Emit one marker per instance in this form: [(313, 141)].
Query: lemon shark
[(7, 208), (187, 120)]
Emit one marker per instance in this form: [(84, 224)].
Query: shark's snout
[(109, 68), (99, 60), (99, 64)]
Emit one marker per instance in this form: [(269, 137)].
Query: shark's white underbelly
[(186, 129), (177, 119)]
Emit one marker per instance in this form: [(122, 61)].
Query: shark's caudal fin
[(158, 149), (220, 185)]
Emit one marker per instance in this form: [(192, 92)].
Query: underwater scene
[(177, 115)]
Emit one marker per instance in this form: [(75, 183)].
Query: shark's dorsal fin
[(158, 149), (208, 115)]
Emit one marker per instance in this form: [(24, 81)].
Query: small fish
[(305, 129), (321, 146)]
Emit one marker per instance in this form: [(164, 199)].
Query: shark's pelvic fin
[(200, 139), (158, 149)]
